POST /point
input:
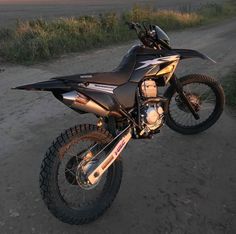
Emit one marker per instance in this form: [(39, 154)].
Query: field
[(229, 84), (9, 13), (38, 40)]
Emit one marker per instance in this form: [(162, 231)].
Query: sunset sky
[(30, 1), (46, 1), (50, 1)]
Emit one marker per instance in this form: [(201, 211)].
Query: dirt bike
[(81, 172)]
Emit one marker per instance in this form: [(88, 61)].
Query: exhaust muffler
[(78, 101)]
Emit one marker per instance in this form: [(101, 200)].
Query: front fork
[(179, 89)]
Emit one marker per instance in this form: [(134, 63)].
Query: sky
[(39, 1), (48, 1)]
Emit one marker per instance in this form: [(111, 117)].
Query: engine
[(151, 115), (151, 107)]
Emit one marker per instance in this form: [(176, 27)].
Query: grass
[(39, 40), (229, 85)]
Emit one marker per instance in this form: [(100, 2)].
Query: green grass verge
[(229, 85), (39, 40)]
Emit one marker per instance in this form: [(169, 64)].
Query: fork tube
[(179, 88)]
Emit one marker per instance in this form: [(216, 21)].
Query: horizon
[(25, 1), (48, 2)]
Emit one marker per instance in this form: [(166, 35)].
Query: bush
[(229, 85), (166, 18)]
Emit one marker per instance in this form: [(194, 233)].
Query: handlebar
[(147, 35), (144, 34), (135, 26)]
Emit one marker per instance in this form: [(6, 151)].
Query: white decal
[(86, 76), (158, 61), (99, 87)]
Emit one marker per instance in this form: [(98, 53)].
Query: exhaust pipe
[(80, 102)]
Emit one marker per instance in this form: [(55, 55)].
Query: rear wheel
[(63, 190), (207, 98)]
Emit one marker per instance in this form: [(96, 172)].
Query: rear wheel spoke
[(70, 171)]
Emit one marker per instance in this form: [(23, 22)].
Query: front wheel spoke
[(206, 108), (192, 120), (211, 100), (203, 97), (188, 119)]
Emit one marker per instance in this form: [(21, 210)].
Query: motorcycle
[(81, 172)]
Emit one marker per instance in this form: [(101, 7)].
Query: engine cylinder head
[(149, 89)]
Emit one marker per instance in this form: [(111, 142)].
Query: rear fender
[(50, 85)]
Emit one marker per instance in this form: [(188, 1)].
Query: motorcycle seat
[(116, 77)]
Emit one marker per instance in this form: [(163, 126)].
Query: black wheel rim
[(202, 97)]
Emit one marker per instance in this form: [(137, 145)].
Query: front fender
[(186, 54)]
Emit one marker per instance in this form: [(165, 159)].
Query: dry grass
[(229, 85), (165, 18)]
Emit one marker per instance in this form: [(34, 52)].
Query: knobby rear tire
[(220, 101), (48, 177)]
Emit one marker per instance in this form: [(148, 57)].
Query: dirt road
[(171, 184), (9, 13)]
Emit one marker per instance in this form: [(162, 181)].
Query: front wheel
[(206, 97), (62, 187)]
